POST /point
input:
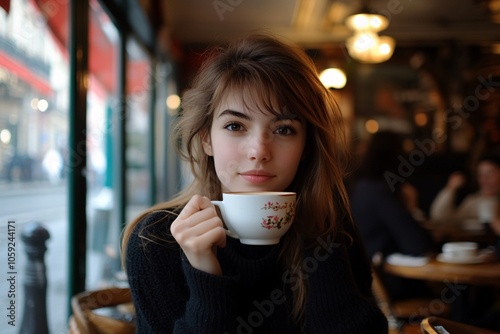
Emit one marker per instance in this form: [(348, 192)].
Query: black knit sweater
[(254, 293)]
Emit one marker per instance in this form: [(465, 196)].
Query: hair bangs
[(256, 90)]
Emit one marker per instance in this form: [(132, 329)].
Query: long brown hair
[(283, 73)]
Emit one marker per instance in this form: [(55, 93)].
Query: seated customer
[(385, 212), (478, 206)]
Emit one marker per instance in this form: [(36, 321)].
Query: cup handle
[(219, 207)]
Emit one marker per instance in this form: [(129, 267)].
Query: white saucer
[(471, 260), (399, 259)]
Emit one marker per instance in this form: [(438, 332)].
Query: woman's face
[(488, 178), (254, 150)]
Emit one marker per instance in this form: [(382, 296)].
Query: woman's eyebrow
[(279, 117), (234, 113)]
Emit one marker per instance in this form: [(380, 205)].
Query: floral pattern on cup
[(274, 221)]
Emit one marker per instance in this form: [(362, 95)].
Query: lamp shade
[(367, 22), (368, 47)]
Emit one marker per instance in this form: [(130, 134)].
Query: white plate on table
[(470, 260), (398, 259)]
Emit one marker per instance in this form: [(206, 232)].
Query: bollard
[(34, 318)]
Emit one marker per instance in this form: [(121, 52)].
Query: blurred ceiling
[(460, 39), (320, 23)]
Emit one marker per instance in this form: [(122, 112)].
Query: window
[(35, 133), (33, 148), (103, 113)]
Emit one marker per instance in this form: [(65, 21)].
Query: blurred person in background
[(53, 165), (385, 208), (476, 208), (479, 209)]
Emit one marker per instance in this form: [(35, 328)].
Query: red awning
[(37, 82), (102, 57), (56, 13), (5, 4), (103, 52)]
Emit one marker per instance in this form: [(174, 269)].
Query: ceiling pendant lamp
[(365, 21), (366, 45)]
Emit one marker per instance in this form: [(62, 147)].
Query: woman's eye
[(284, 130), (233, 127)]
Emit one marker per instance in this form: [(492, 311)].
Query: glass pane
[(102, 108), (138, 132), (168, 177), (34, 74)]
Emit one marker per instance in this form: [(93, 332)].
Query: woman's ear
[(207, 144)]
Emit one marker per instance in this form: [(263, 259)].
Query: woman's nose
[(259, 148)]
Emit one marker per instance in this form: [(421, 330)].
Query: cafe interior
[(420, 71), (426, 70)]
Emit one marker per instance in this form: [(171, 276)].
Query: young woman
[(257, 118)]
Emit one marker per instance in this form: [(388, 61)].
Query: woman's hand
[(199, 231)]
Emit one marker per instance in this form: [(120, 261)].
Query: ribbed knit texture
[(254, 293)]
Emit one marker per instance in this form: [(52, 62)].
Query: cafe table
[(457, 278), (485, 273)]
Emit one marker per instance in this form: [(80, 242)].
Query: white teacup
[(257, 218), (460, 250)]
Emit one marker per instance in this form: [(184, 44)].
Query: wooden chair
[(402, 313), (87, 319), (437, 325)]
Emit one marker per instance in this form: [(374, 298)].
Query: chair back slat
[(437, 325), (86, 321)]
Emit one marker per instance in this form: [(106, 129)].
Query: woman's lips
[(256, 176)]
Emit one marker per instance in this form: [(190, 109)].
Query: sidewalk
[(20, 188)]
